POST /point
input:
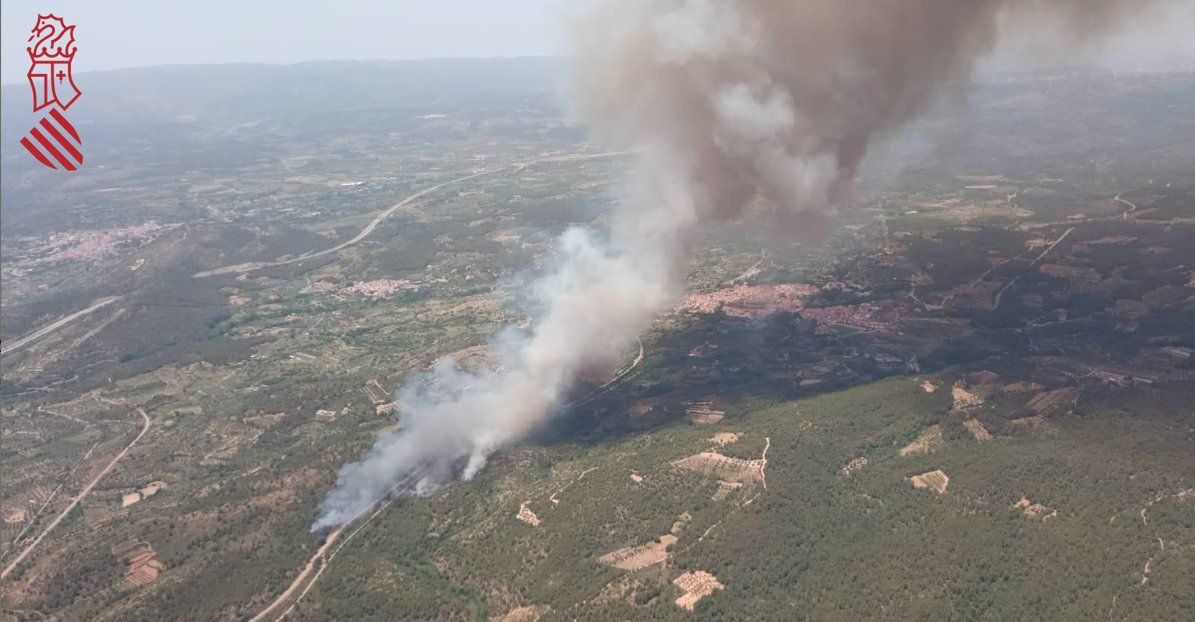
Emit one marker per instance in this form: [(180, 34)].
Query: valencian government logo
[(53, 141)]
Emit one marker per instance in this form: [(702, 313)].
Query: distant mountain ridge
[(232, 92)]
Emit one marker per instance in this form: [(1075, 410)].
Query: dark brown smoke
[(781, 98)]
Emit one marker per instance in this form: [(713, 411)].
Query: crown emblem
[(52, 39), (51, 53)]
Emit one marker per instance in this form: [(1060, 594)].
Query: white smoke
[(595, 303), (725, 103)]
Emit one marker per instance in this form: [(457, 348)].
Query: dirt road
[(1132, 207), (763, 462), (78, 498), (294, 585), (49, 328), (321, 554), (1000, 294)]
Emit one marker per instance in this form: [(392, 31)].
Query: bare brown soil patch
[(978, 432), (1022, 387), (526, 515), (504, 237), (634, 558), (928, 441), (854, 465), (1050, 402), (1035, 510), (722, 467), (933, 480), (637, 478), (750, 301), (702, 413), (144, 492), (725, 489), (724, 438), (141, 562), (972, 390), (14, 516), (696, 584), (638, 557), (928, 387), (377, 394), (530, 613), (265, 421), (964, 399)]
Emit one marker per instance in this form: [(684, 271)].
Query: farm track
[(78, 498), (321, 554), (1007, 286)]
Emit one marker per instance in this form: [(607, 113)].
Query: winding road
[(321, 554), (386, 213), (78, 498), (1132, 207)]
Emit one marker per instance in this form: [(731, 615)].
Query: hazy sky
[(130, 33)]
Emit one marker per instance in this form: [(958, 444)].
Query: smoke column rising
[(726, 104)]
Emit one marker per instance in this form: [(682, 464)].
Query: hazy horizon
[(221, 32), (112, 37), (986, 72)]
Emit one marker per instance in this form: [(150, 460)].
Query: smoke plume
[(726, 104)]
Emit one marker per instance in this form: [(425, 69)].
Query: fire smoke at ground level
[(725, 103)]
